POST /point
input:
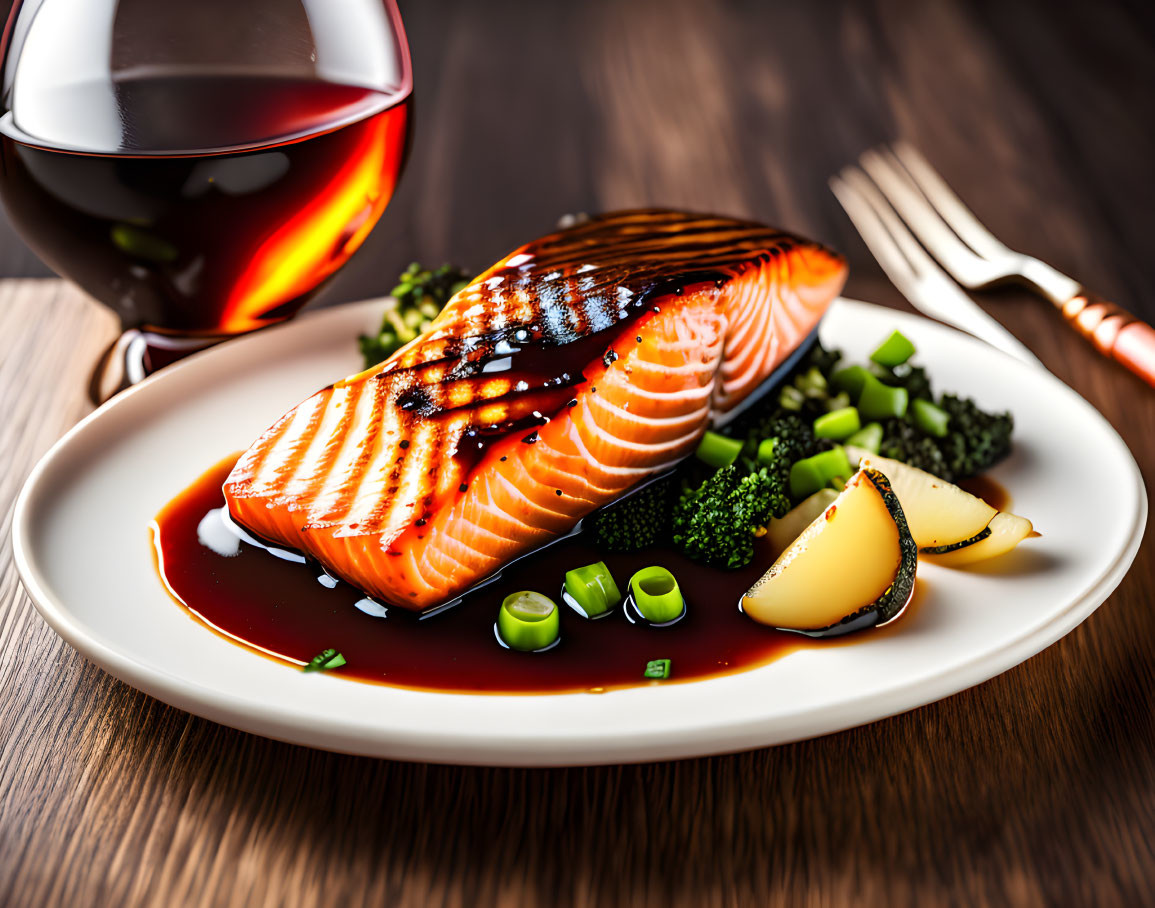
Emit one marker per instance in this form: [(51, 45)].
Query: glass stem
[(135, 355)]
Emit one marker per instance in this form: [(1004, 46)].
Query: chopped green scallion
[(656, 595), (325, 660), (837, 424), (765, 455), (791, 398), (869, 438), (850, 380), (811, 381), (658, 669), (592, 589), (810, 474), (879, 401), (718, 450), (931, 419), (838, 401), (894, 351), (528, 621)]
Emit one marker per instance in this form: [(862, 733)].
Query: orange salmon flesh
[(580, 365)]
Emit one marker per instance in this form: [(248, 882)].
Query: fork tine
[(920, 262), (874, 233), (912, 270), (928, 288), (903, 194), (949, 205)]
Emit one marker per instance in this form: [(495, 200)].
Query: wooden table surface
[(1036, 787)]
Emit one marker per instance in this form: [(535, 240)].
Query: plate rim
[(556, 747)]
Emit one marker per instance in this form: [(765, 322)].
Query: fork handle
[(1114, 332)]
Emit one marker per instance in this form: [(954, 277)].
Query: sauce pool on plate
[(291, 610)]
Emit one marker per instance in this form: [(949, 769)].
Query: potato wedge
[(1006, 532), (937, 512), (852, 567)]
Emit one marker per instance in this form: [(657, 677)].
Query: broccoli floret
[(976, 440), (825, 360), (903, 441), (807, 390), (420, 296), (794, 434), (715, 522), (793, 440), (637, 522)]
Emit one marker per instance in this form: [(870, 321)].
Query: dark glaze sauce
[(989, 491), (281, 609)]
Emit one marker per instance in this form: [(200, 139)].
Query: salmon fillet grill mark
[(577, 367)]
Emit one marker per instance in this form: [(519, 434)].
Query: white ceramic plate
[(82, 547)]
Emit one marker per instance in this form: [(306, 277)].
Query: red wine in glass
[(203, 201)]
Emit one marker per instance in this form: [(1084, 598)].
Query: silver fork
[(903, 187), (912, 271)]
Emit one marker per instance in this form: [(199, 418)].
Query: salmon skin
[(577, 367)]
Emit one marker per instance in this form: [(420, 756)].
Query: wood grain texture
[(1035, 788)]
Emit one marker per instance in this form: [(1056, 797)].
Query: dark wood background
[(1037, 787)]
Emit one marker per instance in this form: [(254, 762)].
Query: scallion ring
[(591, 590), (528, 621), (656, 595)]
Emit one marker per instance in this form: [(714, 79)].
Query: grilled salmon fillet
[(575, 368)]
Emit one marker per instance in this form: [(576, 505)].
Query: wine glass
[(200, 167)]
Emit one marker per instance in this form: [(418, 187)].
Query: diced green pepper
[(812, 382), (838, 401)]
